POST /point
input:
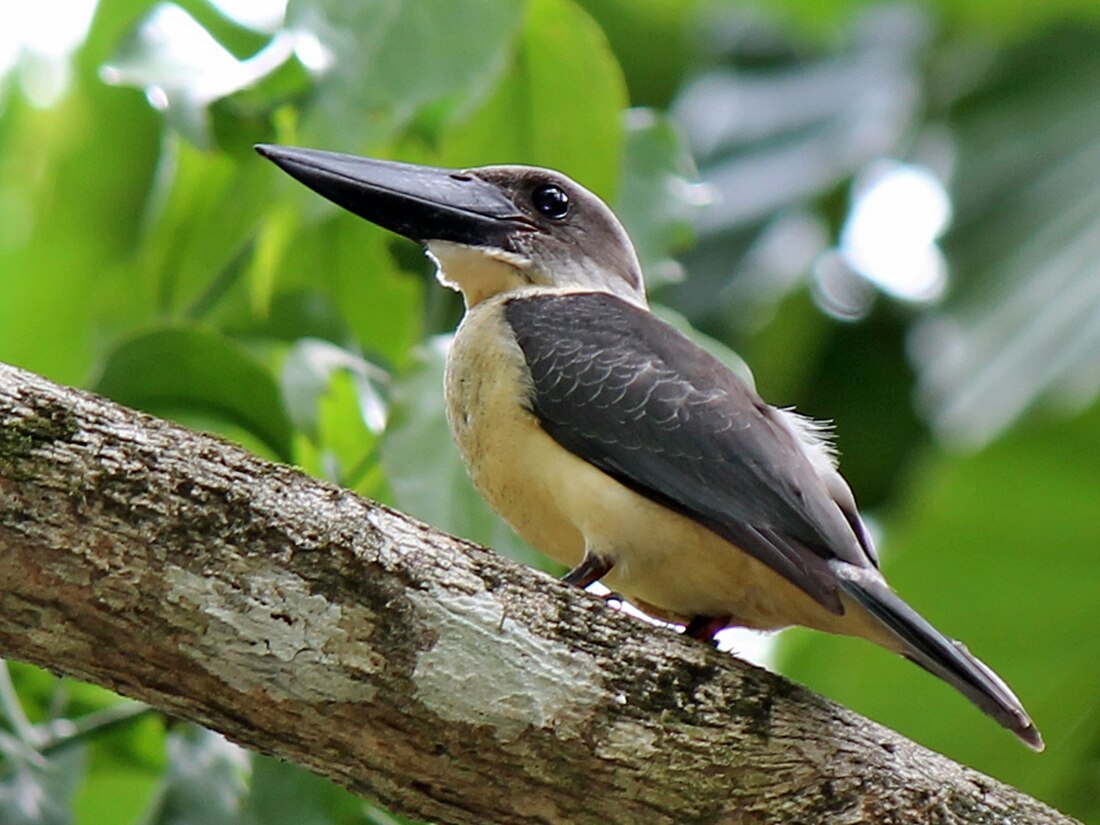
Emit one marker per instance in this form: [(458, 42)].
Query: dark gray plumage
[(620, 388), (625, 391)]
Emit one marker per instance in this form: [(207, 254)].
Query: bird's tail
[(941, 656)]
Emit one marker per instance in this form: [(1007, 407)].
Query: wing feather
[(620, 388)]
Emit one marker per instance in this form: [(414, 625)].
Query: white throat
[(477, 272)]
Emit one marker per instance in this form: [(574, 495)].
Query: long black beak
[(423, 203)]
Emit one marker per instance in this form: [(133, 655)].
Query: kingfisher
[(614, 444)]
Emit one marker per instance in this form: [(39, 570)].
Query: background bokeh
[(891, 212)]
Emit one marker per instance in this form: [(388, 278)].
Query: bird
[(617, 446)]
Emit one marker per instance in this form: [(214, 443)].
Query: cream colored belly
[(560, 503), (501, 443)]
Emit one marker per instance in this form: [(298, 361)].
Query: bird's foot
[(704, 627), (591, 568)]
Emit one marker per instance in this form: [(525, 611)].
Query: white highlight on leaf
[(39, 38), (171, 55), (899, 212)]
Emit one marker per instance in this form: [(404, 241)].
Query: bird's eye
[(551, 200)]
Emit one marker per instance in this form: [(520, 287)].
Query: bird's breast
[(510, 458), (560, 503)]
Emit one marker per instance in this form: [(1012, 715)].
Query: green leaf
[(350, 263), (559, 105), (653, 41), (1019, 326), (40, 792), (346, 413), (337, 402), (70, 199), (116, 795), (205, 783), (189, 370), (657, 199), (980, 18), (388, 61), (424, 469), (184, 69), (195, 247), (379, 301), (135, 745), (284, 794)]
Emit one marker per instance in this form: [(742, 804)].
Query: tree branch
[(427, 673)]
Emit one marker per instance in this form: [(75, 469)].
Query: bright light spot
[(156, 97), (183, 69), (751, 645), (39, 37), (175, 53), (694, 193), (259, 15), (890, 237), (312, 53)]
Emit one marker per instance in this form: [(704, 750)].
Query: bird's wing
[(623, 390)]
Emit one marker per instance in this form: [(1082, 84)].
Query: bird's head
[(491, 230)]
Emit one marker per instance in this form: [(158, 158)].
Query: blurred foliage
[(147, 253)]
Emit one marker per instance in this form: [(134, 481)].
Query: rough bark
[(421, 671)]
